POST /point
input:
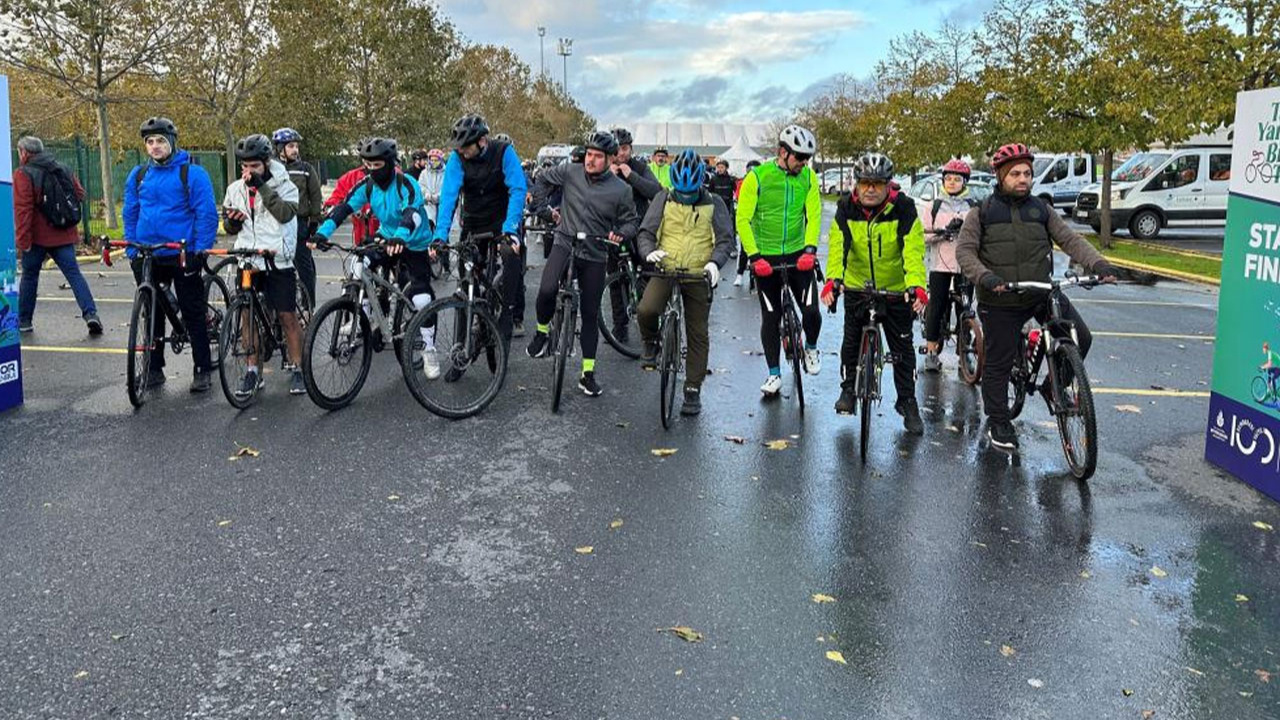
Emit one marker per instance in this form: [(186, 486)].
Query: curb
[(1163, 272), (84, 259)]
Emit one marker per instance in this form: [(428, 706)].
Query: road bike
[(671, 337)]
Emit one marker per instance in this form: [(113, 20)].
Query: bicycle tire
[(230, 339), (564, 345), (1260, 389), (970, 350), (670, 367), (632, 347), (217, 301), (141, 343), (797, 354), (454, 359), (1083, 464), (345, 347), (866, 372), (1019, 377), (306, 305), (397, 328)]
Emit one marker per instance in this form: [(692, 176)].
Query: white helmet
[(798, 140)]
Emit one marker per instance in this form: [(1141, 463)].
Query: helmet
[(623, 136), (873, 166), (602, 141), (158, 126), (661, 151), (468, 129), (419, 154), (502, 138), (1013, 152), (284, 136), (688, 172), (253, 147), (378, 149), (435, 154), (798, 140), (752, 164), (956, 167), (577, 154)]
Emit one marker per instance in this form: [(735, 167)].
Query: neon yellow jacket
[(779, 213)]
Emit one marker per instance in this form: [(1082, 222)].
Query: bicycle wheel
[(970, 350), (567, 317), (141, 342), (240, 336), (228, 271), (1077, 422), (866, 376), (398, 323), (217, 300), (670, 367), (791, 331), (466, 384), (305, 303), (618, 315), (336, 354), (1019, 378), (1260, 389)]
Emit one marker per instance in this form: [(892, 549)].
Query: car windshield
[(979, 191), (1039, 165), (1139, 167)]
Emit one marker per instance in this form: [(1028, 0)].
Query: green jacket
[(779, 213), (692, 235), (891, 241), (662, 173)]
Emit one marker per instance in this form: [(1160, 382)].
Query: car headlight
[(1117, 195)]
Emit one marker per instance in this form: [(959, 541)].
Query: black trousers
[(804, 286), (590, 286), (188, 285), (510, 280), (898, 320), (1000, 329), (937, 315), (303, 262)]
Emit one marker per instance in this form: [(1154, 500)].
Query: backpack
[(937, 205), (182, 175), (55, 195)]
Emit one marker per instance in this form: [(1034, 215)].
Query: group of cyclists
[(606, 205)]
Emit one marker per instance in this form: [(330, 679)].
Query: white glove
[(656, 256), (713, 272)]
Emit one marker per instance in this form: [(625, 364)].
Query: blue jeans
[(64, 256)]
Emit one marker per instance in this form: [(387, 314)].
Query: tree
[(1257, 46)]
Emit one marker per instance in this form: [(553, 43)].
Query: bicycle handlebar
[(1085, 281), (145, 249), (677, 274)]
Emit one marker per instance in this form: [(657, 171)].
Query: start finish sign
[(1243, 435), (10, 360)]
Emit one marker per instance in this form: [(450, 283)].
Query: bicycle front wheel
[(1077, 422), (1019, 379), (618, 315), (442, 359), (1260, 390), (141, 343), (336, 354), (866, 376), (670, 367), (791, 331), (970, 350), (239, 338), (217, 300), (567, 317)]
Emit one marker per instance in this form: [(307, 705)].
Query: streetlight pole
[(564, 49), (542, 48)]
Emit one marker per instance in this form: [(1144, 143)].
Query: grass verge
[(1184, 263)]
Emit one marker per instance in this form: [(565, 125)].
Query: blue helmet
[(284, 136), (688, 172)]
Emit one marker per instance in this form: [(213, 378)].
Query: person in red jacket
[(363, 223), (37, 238)]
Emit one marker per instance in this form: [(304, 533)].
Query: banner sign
[(10, 353)]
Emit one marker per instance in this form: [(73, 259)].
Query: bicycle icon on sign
[(1258, 168)]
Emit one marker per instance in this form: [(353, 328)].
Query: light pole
[(542, 48), (564, 49)]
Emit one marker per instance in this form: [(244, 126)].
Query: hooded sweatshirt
[(271, 216)]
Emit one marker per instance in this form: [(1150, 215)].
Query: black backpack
[(55, 195)]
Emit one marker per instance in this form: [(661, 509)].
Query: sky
[(704, 61)]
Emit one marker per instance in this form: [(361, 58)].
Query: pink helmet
[(957, 167), (435, 154)]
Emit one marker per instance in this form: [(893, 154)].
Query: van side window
[(1220, 167), (1182, 171), (1082, 166), (1058, 172)]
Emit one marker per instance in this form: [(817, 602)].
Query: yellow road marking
[(94, 350), (1147, 392), (1158, 336)]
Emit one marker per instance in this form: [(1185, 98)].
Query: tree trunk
[(229, 137), (1104, 198), (104, 157)]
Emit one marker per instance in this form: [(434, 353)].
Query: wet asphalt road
[(379, 562)]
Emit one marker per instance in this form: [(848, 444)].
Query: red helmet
[(957, 167), (1013, 152)]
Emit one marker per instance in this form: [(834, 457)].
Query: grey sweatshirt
[(594, 206)]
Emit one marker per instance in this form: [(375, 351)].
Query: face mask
[(685, 198), (383, 176)]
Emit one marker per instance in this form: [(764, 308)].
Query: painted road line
[(1153, 303), (1148, 392), (91, 350), (1156, 336)]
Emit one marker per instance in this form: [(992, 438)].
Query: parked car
[(836, 180), (929, 188), (1184, 186)]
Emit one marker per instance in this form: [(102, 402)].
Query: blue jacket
[(512, 172), (162, 211), (399, 209)]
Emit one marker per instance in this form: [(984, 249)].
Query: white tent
[(739, 155)]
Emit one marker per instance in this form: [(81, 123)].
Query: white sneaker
[(812, 361), (772, 386), (737, 282), (932, 363), (431, 364)]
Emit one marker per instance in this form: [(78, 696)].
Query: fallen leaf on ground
[(979, 544), (1129, 409), (664, 452), (1263, 675), (820, 598), (81, 675), (393, 498), (680, 672), (119, 636), (1148, 714), (1244, 694), (836, 656), (1127, 692), (1007, 651), (777, 444), (795, 437), (1192, 670), (223, 523), (1155, 570), (1085, 574), (1035, 682), (622, 424), (737, 439), (1263, 526), (953, 428), (585, 550), (1242, 598), (615, 524), (245, 450), (687, 634)]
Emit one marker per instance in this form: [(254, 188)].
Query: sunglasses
[(801, 157)]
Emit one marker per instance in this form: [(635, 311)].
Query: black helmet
[(253, 147), (577, 154), (623, 136), (602, 141), (873, 166), (468, 129), (158, 126), (378, 149), (502, 138), (419, 154)]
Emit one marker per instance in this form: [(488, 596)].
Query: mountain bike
[(623, 289), (966, 330), (871, 358), (671, 337)]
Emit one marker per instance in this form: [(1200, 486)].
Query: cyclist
[(686, 227), (659, 168), (310, 203), (742, 275), (431, 180), (396, 202), (260, 210), (1010, 238), (644, 188), (487, 176), (1272, 364), (364, 223), (779, 217), (419, 160), (598, 203), (942, 219), (877, 237), (169, 199)]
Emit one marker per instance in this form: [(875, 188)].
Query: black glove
[(991, 281), (1106, 270), (955, 224), (255, 180), (312, 226), (321, 242)]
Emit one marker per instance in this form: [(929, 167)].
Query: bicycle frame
[(1051, 329), (159, 298)]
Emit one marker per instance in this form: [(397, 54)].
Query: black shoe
[(156, 378), (297, 386), (538, 345), (249, 384), (910, 413), (692, 401), (649, 356), (200, 383), (588, 384), (517, 330), (1002, 434), (95, 325), (25, 327), (848, 403)]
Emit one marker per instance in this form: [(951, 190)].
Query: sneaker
[(517, 330), (538, 346), (848, 402), (297, 386), (156, 378), (431, 364), (649, 356), (910, 412), (200, 382), (588, 384), (932, 363), (812, 361), (692, 401), (95, 325), (772, 386), (248, 386), (1002, 434), (737, 282), (25, 327)]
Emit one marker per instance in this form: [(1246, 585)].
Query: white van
[(1153, 190), (556, 153), (1060, 178)]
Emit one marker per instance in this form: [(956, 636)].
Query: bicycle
[(345, 332), (792, 332), (1259, 166), (251, 328), (966, 332), (871, 359), (1066, 390), (564, 325), (623, 289), (465, 325), (1264, 389), (671, 338)]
